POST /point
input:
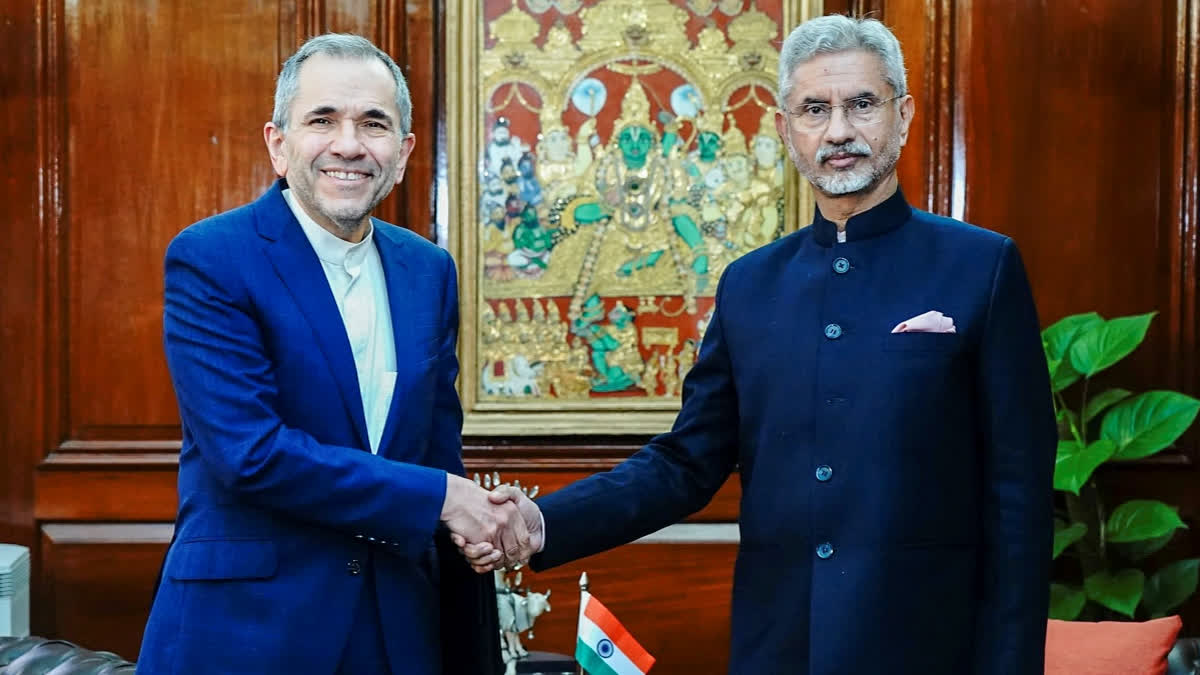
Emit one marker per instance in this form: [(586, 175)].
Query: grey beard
[(860, 180)]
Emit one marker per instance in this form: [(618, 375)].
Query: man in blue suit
[(312, 352), (878, 381)]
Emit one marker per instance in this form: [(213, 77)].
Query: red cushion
[(1110, 647)]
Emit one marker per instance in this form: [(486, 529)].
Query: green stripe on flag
[(591, 661)]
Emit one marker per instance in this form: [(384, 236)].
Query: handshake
[(497, 529)]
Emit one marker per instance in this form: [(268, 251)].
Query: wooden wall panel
[(1067, 115), (152, 145), (25, 202), (97, 580)]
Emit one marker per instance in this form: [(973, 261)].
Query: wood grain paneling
[(152, 145), (97, 580), (417, 40), (1067, 111), (26, 215)]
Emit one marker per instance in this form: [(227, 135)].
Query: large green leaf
[(1170, 587), (1097, 404), (1103, 344), (1065, 602), (1056, 340), (1140, 550), (1120, 591), (1073, 466), (1058, 336), (1067, 535), (1149, 422), (1141, 519)]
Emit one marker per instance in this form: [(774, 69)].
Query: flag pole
[(583, 586)]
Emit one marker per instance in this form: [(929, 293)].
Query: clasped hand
[(500, 529)]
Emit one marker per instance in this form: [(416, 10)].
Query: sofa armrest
[(1184, 658), (21, 656)]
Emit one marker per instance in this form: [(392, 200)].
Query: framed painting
[(607, 160)]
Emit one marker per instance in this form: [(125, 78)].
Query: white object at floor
[(14, 590)]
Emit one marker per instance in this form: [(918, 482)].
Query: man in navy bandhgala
[(878, 381)]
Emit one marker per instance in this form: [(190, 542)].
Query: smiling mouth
[(346, 176)]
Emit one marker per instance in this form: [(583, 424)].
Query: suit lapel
[(395, 271), (297, 265)]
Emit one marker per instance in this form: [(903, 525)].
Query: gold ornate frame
[(465, 144)]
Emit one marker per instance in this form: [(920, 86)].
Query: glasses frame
[(793, 115)]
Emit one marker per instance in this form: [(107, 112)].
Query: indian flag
[(604, 647)]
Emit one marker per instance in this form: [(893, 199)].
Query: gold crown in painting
[(635, 108)]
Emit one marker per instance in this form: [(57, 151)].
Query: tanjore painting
[(613, 157)]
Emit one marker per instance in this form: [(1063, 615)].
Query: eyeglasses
[(861, 112)]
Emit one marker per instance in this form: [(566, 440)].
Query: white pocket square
[(929, 322)]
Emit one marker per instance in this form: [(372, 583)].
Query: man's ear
[(406, 147), (908, 109), (273, 136)]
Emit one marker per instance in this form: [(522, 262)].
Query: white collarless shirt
[(355, 275)]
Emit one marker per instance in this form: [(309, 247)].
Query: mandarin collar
[(880, 219)]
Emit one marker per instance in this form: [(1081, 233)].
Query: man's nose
[(346, 141), (839, 130)]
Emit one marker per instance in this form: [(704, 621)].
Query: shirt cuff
[(543, 546)]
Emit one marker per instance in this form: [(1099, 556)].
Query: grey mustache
[(852, 148)]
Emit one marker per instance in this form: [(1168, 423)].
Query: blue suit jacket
[(896, 488), (279, 499)]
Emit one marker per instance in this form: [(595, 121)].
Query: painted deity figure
[(638, 188), (760, 222), (555, 164), (503, 145), (531, 245), (528, 187), (605, 348)]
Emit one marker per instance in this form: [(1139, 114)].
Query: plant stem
[(1086, 509), (1083, 409), (1101, 519)]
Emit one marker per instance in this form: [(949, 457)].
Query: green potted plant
[(1107, 548)]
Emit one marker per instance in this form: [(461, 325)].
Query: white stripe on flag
[(591, 635)]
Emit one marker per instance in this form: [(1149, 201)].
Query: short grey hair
[(837, 33), (345, 46)]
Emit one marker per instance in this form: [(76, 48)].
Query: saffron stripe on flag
[(608, 623), (591, 662)]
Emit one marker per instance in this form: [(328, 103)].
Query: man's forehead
[(331, 78), (846, 74)]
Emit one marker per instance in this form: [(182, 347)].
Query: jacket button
[(824, 472), (825, 551), (841, 265), (354, 568), (833, 331)]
